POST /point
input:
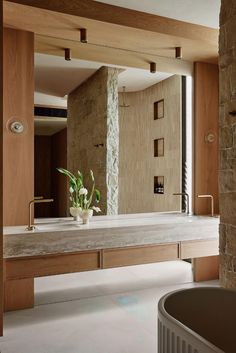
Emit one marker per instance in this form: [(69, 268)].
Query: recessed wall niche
[(159, 109), (158, 184), (159, 147)]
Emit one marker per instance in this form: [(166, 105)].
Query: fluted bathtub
[(197, 320)]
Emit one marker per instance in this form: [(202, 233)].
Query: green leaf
[(97, 195), (79, 182), (72, 184), (81, 178), (67, 173)]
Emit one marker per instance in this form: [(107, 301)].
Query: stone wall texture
[(112, 165), (227, 172), (93, 134)]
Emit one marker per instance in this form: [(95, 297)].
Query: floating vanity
[(59, 246)]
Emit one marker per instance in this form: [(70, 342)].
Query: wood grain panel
[(138, 130), (51, 265), (19, 294), (115, 56), (129, 37), (139, 255), (120, 16), (1, 171), (206, 121), (199, 248), (18, 149), (206, 268)]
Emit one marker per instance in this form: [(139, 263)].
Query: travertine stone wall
[(112, 158), (138, 166), (227, 174), (93, 134)]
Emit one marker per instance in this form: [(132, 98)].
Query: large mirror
[(128, 125)]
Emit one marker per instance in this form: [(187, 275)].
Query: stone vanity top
[(62, 235)]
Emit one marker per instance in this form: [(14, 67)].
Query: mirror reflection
[(128, 125)]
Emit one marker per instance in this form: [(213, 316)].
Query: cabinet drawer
[(51, 265), (139, 255), (199, 248)]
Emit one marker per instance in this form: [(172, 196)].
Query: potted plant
[(80, 197)]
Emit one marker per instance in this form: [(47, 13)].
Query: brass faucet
[(212, 202), (187, 199), (38, 199)]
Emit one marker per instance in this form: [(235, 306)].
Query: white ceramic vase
[(75, 212), (85, 215)]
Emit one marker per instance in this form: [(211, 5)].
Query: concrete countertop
[(62, 235)]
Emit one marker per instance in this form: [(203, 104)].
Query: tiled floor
[(108, 311)]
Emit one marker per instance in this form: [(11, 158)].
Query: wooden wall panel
[(59, 181), (18, 149), (206, 121)]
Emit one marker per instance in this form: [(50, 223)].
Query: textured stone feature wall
[(227, 174), (112, 159), (93, 134)]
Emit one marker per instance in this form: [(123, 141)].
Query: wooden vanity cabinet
[(20, 272)]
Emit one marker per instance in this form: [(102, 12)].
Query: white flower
[(83, 191), (71, 190), (85, 201), (96, 209)]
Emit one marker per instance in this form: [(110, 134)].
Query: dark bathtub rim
[(165, 314)]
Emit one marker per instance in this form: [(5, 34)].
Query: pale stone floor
[(106, 311)]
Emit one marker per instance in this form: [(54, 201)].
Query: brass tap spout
[(187, 199), (212, 202), (38, 199)]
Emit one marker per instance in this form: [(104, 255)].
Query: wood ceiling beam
[(126, 17), (118, 57), (105, 36)]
